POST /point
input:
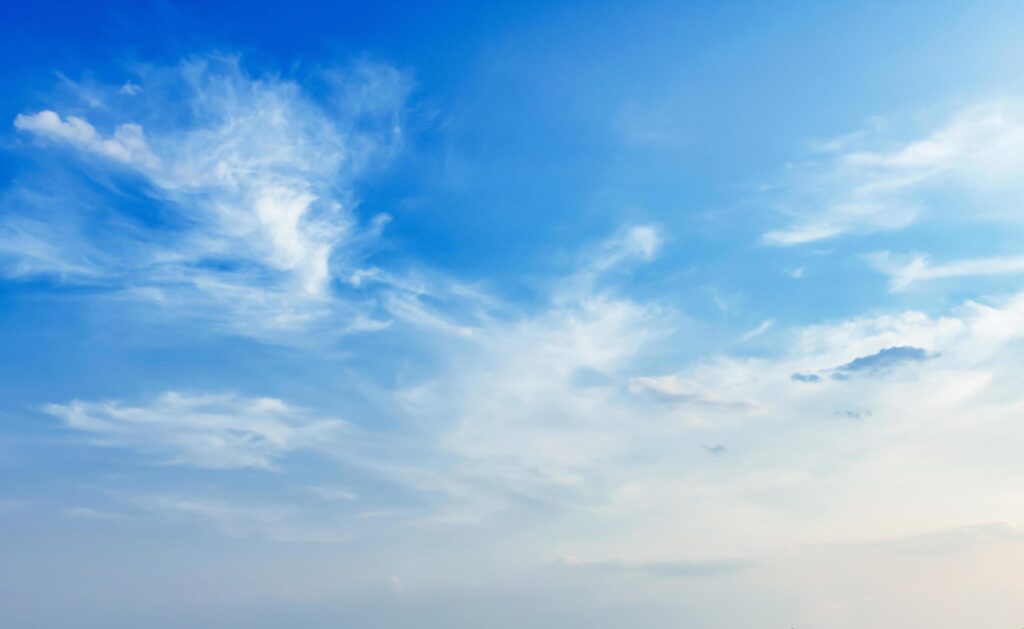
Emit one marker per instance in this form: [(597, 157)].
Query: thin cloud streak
[(920, 268)]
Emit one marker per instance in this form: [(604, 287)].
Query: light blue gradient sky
[(537, 314)]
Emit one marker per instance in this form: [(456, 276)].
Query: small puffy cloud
[(127, 144), (211, 431), (643, 241)]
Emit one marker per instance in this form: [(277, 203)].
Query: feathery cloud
[(869, 183), (255, 176), (919, 268), (210, 431)]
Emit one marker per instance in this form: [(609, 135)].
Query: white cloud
[(919, 268), (801, 474), (586, 425), (584, 406), (521, 402), (210, 431), (758, 331), (32, 248), (868, 183), (593, 406), (640, 242), (633, 245), (127, 144), (259, 179)]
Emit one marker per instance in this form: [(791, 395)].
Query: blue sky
[(536, 314)]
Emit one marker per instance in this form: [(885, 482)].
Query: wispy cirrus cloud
[(222, 431), (253, 177), (583, 410), (579, 405), (756, 332), (869, 182), (534, 401), (920, 268)]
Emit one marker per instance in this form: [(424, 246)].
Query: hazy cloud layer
[(645, 417)]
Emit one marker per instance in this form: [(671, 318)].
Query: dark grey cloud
[(716, 449)]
